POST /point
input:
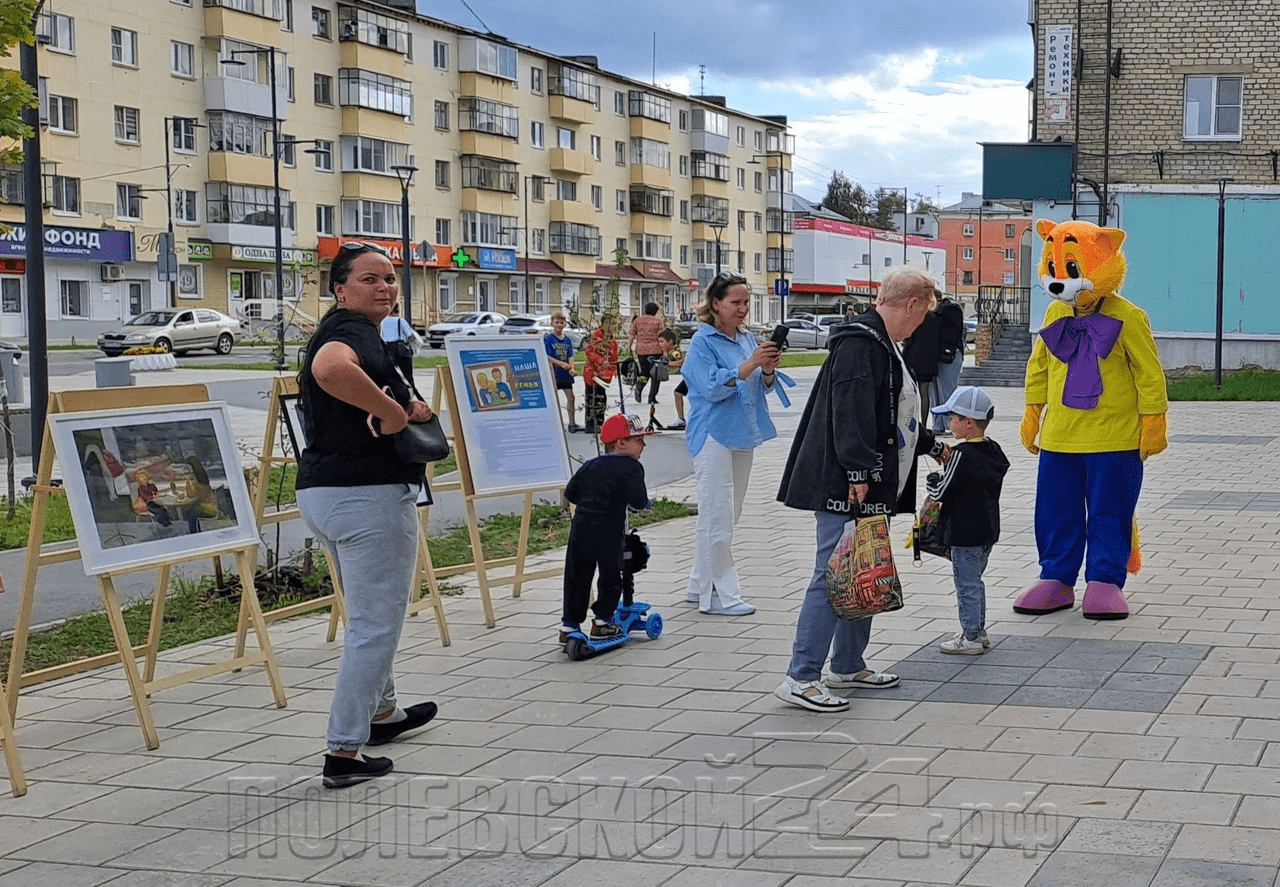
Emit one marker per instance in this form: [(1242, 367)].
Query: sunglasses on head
[(361, 246), (724, 280)]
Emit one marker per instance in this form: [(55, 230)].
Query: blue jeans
[(967, 566), (818, 625), (371, 536)]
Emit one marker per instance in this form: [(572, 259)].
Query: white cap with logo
[(967, 400)]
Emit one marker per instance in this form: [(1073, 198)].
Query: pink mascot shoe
[(1047, 596), (1102, 600)]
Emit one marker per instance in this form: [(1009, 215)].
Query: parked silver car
[(173, 329), (525, 324), (805, 334)]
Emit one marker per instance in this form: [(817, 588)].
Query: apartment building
[(529, 170), (989, 242), (1173, 107)]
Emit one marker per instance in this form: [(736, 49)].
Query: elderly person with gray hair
[(854, 455)]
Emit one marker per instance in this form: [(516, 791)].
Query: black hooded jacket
[(849, 431)]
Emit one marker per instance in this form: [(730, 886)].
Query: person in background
[(360, 501), (729, 375), (602, 363), (950, 357), (642, 341), (403, 340), (559, 348), (854, 455), (920, 352)]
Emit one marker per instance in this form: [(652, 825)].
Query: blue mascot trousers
[(1086, 501)]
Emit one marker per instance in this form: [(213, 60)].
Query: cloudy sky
[(892, 93)]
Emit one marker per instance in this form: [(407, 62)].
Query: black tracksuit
[(602, 489), (969, 489)]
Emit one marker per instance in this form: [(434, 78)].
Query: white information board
[(508, 413)]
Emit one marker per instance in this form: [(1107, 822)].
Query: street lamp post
[(405, 173), (717, 227), (904, 225), (270, 53), (1222, 242)]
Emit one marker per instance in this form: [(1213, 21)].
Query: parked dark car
[(686, 324)]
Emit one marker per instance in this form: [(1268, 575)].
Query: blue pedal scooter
[(631, 615)]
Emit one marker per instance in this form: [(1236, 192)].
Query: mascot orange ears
[(1081, 262)]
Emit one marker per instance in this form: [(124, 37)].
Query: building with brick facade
[(988, 243), (1170, 104), (532, 169)]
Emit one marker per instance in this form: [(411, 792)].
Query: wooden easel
[(141, 685), (465, 483), (288, 386), (12, 758)]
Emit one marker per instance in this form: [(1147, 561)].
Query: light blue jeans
[(818, 624), (967, 566), (371, 535)]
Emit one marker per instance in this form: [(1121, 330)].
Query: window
[(755, 259), (651, 153), (772, 257), (574, 83), (651, 200), (11, 184), (324, 220), (488, 229), (535, 81), (229, 203), (888, 261), (620, 153), (440, 55), (60, 30), (286, 22), (182, 58), (126, 125), (775, 220), (1010, 231), (184, 134), (487, 57), (566, 138), (683, 121), (740, 137), (272, 9), (371, 217), (538, 238), (64, 194), (646, 104), (128, 202), (323, 154), (706, 165), (713, 210), (567, 189), (620, 104), (705, 120), (186, 207), (968, 278), (597, 197), (653, 246), (595, 147), (620, 202), (323, 86), (684, 249), (620, 243), (538, 187), (742, 179), (1212, 107), (364, 154), (320, 23), (11, 295), (75, 298), (968, 229), (288, 150), (575, 239), (373, 29), (124, 47), (380, 92), (758, 139), (1008, 255), (759, 182), (684, 210), (535, 134), (489, 174), (684, 165), (442, 174), (442, 115), (446, 294), (62, 113), (238, 133), (289, 84), (968, 253), (442, 232), (756, 222)]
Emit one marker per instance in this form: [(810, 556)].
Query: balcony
[(355, 54), (245, 97), (570, 162), (225, 166), (563, 107), (252, 21), (654, 201)]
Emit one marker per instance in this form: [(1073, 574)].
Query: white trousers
[(722, 476)]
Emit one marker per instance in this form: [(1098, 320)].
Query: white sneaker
[(963, 646), (982, 638), (809, 694)]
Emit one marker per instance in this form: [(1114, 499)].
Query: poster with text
[(509, 415)]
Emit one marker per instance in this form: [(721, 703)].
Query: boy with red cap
[(602, 489)]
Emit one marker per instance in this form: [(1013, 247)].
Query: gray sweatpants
[(371, 535)]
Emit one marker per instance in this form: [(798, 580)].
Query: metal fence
[(1004, 304)]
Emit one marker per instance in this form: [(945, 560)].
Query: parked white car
[(524, 324), (478, 323)]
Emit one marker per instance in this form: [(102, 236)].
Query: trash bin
[(113, 372), (15, 375)]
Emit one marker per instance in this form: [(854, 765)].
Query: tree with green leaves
[(889, 205), (16, 17), (847, 199)]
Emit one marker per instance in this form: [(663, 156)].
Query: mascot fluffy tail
[(1135, 553)]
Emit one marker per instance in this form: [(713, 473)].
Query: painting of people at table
[(154, 481)]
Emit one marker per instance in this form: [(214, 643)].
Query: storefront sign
[(268, 254), (435, 257), (62, 242), (497, 259)]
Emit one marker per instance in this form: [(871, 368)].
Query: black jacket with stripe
[(969, 488)]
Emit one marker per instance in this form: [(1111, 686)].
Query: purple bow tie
[(1080, 342)]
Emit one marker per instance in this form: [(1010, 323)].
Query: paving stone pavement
[(1139, 753)]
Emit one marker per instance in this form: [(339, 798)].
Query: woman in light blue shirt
[(728, 375)]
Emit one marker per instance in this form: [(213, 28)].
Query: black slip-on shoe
[(416, 716), (342, 772)]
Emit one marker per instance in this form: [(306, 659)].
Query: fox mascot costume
[(1096, 399)]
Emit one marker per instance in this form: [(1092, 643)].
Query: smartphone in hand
[(779, 335)]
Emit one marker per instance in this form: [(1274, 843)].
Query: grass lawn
[(1237, 385)]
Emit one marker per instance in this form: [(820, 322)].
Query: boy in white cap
[(969, 489), (602, 490)]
